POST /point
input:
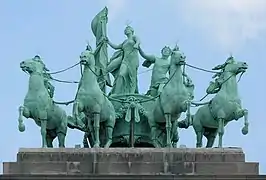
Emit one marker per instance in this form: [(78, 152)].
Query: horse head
[(226, 79), (177, 57), (232, 66), (32, 66), (87, 58)]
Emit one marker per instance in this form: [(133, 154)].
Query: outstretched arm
[(149, 59)]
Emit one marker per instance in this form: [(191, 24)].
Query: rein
[(209, 71), (199, 104), (153, 98), (63, 70)]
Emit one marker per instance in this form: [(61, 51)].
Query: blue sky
[(207, 32)]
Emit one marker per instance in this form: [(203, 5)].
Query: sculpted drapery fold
[(98, 27)]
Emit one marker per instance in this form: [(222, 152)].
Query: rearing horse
[(174, 99), (211, 118), (91, 101), (39, 106)]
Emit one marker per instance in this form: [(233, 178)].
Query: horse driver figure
[(159, 71), (215, 86), (47, 77)]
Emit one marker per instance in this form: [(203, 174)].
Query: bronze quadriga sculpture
[(125, 131)]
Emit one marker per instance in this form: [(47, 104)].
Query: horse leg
[(175, 136), (90, 139), (211, 138), (246, 123), (44, 132), (61, 131), (23, 111), (77, 109), (198, 128), (61, 139), (220, 132), (188, 114), (96, 124), (49, 142), (110, 123), (240, 114), (199, 135), (153, 134), (109, 135), (50, 136), (168, 126)]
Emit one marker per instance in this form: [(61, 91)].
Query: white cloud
[(228, 22), (115, 8)]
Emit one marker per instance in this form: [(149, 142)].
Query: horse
[(39, 106), (91, 101), (174, 99), (212, 117)]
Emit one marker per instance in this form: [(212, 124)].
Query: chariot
[(125, 118)]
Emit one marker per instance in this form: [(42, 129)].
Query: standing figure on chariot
[(47, 77), (159, 71), (124, 64)]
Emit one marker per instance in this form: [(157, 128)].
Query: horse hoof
[(175, 145), (155, 144), (169, 146), (244, 130), (21, 127), (96, 146), (108, 144)]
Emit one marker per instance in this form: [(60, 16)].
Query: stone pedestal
[(131, 161)]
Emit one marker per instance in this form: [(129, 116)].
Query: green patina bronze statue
[(211, 118), (91, 101), (125, 64), (125, 117), (159, 71), (39, 106), (174, 99)]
